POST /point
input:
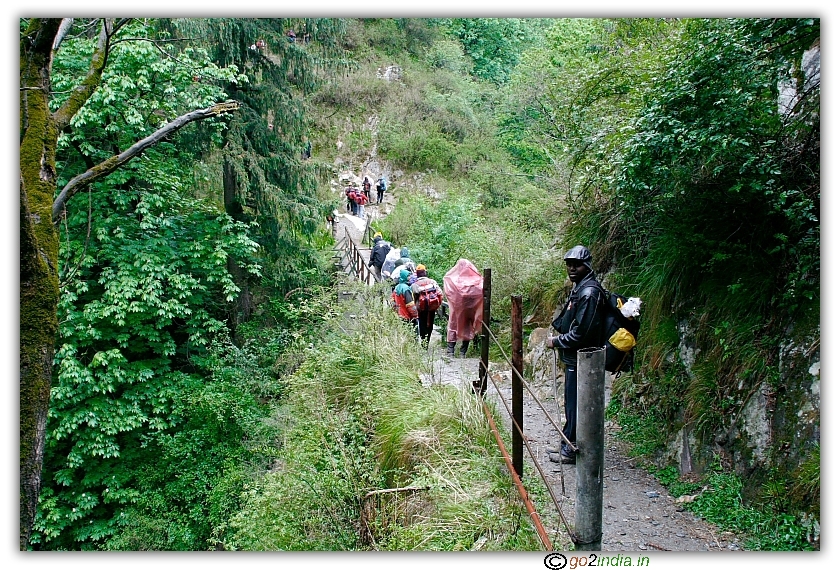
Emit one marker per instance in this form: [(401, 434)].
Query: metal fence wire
[(383, 508)]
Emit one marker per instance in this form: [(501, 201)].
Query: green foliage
[(710, 134), (264, 178), (720, 502), (566, 125), (356, 422), (494, 44), (418, 147), (434, 233), (145, 299), (145, 295), (643, 431), (673, 145), (448, 55), (142, 88), (718, 495)]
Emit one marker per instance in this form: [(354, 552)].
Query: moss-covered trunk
[(38, 260)]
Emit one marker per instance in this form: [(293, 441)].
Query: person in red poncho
[(361, 200), (464, 289)]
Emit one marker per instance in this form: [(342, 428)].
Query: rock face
[(389, 73), (774, 427)]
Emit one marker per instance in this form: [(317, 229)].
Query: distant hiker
[(428, 297), (307, 149), (580, 327), (464, 288), (350, 202), (361, 200), (404, 300), (380, 189), (292, 36), (366, 187), (378, 253)]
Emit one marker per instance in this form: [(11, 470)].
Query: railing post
[(516, 380), (481, 388), (589, 501)]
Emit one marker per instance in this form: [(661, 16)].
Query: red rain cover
[(464, 289)]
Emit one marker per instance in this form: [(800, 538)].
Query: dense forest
[(185, 381)]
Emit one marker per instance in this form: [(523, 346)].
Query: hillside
[(196, 375), (729, 418)]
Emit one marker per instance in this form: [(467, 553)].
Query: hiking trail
[(638, 514)]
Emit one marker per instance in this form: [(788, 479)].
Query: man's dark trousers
[(570, 409)]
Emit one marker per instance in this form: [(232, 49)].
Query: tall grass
[(359, 420)]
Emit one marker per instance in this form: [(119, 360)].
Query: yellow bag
[(623, 340)]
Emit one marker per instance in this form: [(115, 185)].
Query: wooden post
[(481, 388), (516, 380), (589, 501)]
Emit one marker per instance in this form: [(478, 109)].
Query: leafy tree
[(40, 128), (494, 44), (718, 175), (693, 171)]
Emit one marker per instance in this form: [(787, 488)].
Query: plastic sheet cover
[(463, 286)]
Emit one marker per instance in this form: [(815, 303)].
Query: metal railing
[(356, 264)]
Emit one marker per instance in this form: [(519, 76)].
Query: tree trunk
[(241, 309), (38, 260)]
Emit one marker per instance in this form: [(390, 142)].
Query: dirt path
[(639, 514)]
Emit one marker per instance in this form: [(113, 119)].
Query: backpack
[(382, 184), (621, 331), (429, 297)]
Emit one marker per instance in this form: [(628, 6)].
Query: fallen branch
[(111, 164)]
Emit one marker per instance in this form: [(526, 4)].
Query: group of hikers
[(416, 297), (580, 324), (357, 198)]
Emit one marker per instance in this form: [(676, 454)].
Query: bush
[(448, 55)]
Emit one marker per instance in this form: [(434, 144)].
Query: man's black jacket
[(581, 319), (380, 251)]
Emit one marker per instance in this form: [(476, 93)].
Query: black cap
[(580, 253)]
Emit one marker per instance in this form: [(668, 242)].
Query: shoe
[(567, 459)]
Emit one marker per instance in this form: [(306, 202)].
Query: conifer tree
[(265, 177)]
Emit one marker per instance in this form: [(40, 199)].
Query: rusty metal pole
[(589, 503), (481, 388), (516, 380)]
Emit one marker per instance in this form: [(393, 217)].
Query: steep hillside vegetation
[(210, 392), (686, 155)]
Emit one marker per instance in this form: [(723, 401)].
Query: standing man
[(380, 189), (580, 327), (366, 187), (350, 202)]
